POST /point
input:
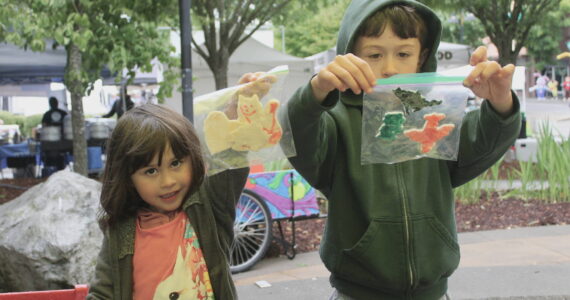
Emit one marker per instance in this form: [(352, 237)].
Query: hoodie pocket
[(378, 258), (436, 252)]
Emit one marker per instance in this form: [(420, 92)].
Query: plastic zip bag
[(245, 124), (411, 116)]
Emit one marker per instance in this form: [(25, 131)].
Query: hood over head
[(359, 10)]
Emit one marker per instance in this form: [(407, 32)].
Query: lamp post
[(186, 56)]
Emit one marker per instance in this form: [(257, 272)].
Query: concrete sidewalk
[(522, 263)]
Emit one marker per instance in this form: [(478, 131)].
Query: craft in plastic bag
[(431, 133), (411, 116), (245, 124), (392, 126), (255, 128)]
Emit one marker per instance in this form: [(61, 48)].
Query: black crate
[(20, 161)]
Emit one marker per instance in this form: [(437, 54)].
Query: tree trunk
[(77, 119), (507, 56), (221, 69)]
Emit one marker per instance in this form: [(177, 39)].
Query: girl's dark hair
[(139, 135), (404, 21)]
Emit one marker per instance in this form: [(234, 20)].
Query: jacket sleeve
[(485, 137), (314, 136), (225, 189), (102, 286)]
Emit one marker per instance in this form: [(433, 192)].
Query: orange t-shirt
[(168, 260)]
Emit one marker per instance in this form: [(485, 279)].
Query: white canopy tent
[(25, 73), (451, 55), (251, 56)]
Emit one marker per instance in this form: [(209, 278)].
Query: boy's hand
[(491, 81), (344, 72)]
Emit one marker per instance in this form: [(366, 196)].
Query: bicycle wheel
[(252, 232)]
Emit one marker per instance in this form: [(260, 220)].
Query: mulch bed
[(490, 213), (12, 188)]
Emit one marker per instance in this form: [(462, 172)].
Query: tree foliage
[(506, 22), (226, 25), (314, 31), (544, 40), (114, 33), (461, 28)]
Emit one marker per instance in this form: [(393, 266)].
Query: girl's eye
[(375, 56), (404, 54), (176, 163), (150, 171)]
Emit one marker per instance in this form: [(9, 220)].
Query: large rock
[(49, 237)]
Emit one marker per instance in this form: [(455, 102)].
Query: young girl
[(167, 227)]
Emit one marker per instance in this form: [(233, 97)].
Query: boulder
[(49, 236)]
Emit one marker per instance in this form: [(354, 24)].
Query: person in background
[(167, 226), (119, 107), (553, 87), (54, 116), (541, 87), (566, 88)]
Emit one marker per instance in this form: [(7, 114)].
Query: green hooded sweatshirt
[(390, 231)]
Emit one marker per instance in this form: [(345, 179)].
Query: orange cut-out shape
[(431, 132)]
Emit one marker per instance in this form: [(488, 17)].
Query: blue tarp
[(21, 66)]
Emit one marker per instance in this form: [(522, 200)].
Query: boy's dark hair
[(404, 21), (139, 135)]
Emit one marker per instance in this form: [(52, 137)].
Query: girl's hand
[(249, 77), (344, 72), (491, 81), (259, 84)]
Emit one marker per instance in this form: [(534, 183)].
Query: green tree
[(115, 33), (506, 22), (226, 25), (461, 28), (311, 32), (544, 40)]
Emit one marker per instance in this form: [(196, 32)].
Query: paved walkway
[(555, 112), (522, 263)]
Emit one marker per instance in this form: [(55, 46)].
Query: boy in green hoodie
[(390, 231)]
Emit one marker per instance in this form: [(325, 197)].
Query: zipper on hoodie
[(408, 242)]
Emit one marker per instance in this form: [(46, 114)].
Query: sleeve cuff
[(490, 114), (308, 99)]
